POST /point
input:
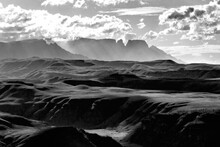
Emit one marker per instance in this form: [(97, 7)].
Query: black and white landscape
[(65, 102), (84, 74)]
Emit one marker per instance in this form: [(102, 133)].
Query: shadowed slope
[(150, 118), (110, 99), (22, 132)]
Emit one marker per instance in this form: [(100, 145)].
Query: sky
[(179, 27)]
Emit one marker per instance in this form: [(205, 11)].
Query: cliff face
[(34, 48), (109, 49)]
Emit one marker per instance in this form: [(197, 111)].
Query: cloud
[(151, 35), (141, 25), (195, 54), (1, 6), (168, 31), (84, 3), (17, 24), (200, 22), (176, 43), (80, 4), (194, 50), (144, 11), (57, 2), (127, 37)]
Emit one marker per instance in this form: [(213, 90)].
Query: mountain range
[(109, 49), (34, 48), (81, 49)]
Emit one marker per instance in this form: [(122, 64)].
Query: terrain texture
[(89, 103)]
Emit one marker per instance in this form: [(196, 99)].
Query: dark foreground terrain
[(64, 103)]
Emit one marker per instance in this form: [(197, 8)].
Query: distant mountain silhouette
[(34, 48), (109, 49)]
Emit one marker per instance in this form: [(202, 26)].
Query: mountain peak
[(134, 43), (110, 49)]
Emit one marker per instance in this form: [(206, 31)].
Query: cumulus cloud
[(1, 6), (127, 37), (80, 4), (168, 31), (176, 43), (57, 2), (84, 3), (144, 11), (141, 25), (151, 35), (200, 22), (17, 24)]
